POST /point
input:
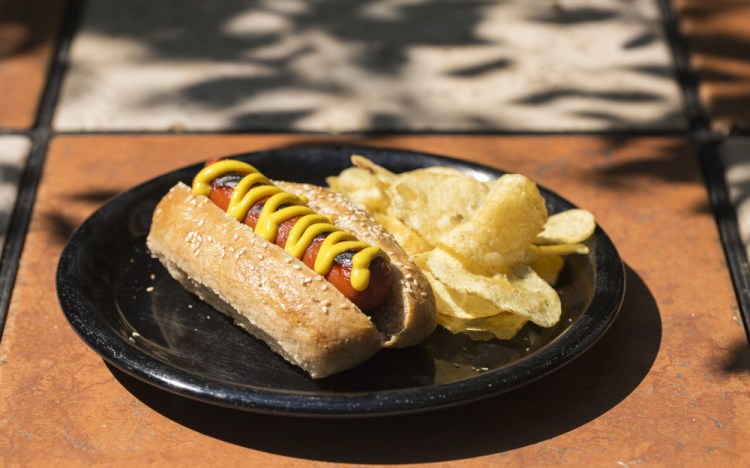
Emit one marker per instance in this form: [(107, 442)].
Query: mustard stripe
[(254, 187), (240, 205), (270, 218), (310, 226), (202, 182)]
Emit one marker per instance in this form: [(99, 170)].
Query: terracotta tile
[(719, 40), (667, 385), (28, 32), (347, 66)]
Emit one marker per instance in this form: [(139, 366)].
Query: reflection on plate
[(125, 306)]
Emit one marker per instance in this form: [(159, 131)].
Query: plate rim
[(111, 347)]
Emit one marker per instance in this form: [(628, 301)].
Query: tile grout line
[(711, 165), (40, 136)]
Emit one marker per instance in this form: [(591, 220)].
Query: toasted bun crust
[(409, 316), (273, 295)]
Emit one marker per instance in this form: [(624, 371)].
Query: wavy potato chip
[(548, 267), (450, 171), (385, 176), (432, 201), (568, 227), (520, 290), (460, 305), (361, 187), (420, 260), (499, 232), (497, 251), (411, 242), (503, 326), (472, 315), (558, 249)]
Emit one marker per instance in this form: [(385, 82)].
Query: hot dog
[(255, 267), (224, 181)]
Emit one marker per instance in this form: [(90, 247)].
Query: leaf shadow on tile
[(728, 103), (10, 173), (61, 226), (660, 70), (578, 393), (641, 40), (547, 97), (673, 117), (4, 220), (625, 163), (169, 33), (279, 48), (573, 16), (676, 162), (720, 60), (28, 24), (737, 359)]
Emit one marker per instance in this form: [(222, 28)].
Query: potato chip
[(487, 247), (409, 240), (548, 267), (499, 232), (503, 326), (434, 201), (420, 260), (362, 188), (520, 290), (441, 170), (385, 176), (568, 227), (460, 305), (559, 249)]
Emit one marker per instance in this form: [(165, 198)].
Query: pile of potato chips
[(488, 248)]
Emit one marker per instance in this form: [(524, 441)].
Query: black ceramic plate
[(125, 306)]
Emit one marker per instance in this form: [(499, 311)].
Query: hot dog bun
[(410, 313), (276, 297)]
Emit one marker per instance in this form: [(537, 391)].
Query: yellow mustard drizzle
[(254, 186)]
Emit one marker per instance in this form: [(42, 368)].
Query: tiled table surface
[(359, 66), (667, 385)]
